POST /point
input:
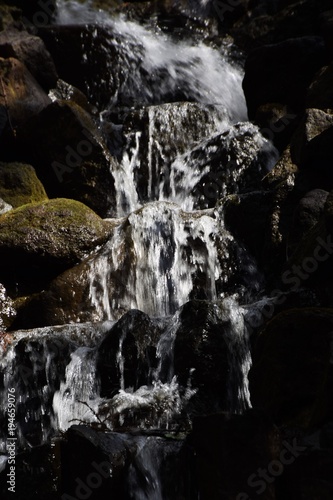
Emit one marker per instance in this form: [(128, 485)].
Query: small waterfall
[(77, 399), (156, 260)]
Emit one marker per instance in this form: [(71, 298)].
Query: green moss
[(60, 230), (20, 185)]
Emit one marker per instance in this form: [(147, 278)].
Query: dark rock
[(37, 12), (91, 62), (281, 73), (20, 185), (50, 236), (31, 51), (291, 376), (21, 95), (314, 123), (307, 214), (230, 452), (277, 123), (139, 336), (71, 159), (320, 92), (327, 30)]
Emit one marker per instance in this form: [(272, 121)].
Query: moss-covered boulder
[(292, 372), (20, 185), (39, 240)]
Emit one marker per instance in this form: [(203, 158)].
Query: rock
[(4, 207), (72, 160), (92, 63), (326, 29), (229, 454), (277, 123), (314, 123), (31, 51), (7, 310), (267, 22), (37, 12), (140, 336), (21, 95), (291, 375), (49, 236), (20, 185), (281, 73), (66, 92), (8, 16), (284, 171), (307, 214), (320, 93)]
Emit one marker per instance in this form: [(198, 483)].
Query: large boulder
[(47, 237), (71, 159), (20, 94), (31, 51), (291, 376), (20, 185), (282, 72)]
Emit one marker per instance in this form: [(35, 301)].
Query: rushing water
[(169, 245)]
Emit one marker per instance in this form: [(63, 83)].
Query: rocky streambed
[(166, 250)]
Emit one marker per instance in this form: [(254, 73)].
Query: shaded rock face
[(70, 158), (230, 451), (291, 377), (320, 91), (20, 185), (53, 234), (21, 95), (281, 73), (29, 50)]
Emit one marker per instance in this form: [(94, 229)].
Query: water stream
[(169, 247)]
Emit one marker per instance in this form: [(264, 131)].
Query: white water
[(155, 259)]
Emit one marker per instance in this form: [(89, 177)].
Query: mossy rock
[(20, 185), (40, 240)]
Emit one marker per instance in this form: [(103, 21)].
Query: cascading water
[(169, 246)]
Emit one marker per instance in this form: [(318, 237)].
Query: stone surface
[(50, 236), (71, 159), (291, 375), (31, 51), (281, 73), (20, 185)]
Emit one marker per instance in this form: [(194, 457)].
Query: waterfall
[(176, 122)]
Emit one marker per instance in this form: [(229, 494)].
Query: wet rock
[(71, 160), (277, 123), (281, 73), (31, 51), (47, 237), (291, 376), (91, 64), (21, 95), (326, 29), (138, 336), (7, 310), (20, 185), (320, 93), (8, 16), (66, 92)]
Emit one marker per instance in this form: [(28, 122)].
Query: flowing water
[(169, 245)]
